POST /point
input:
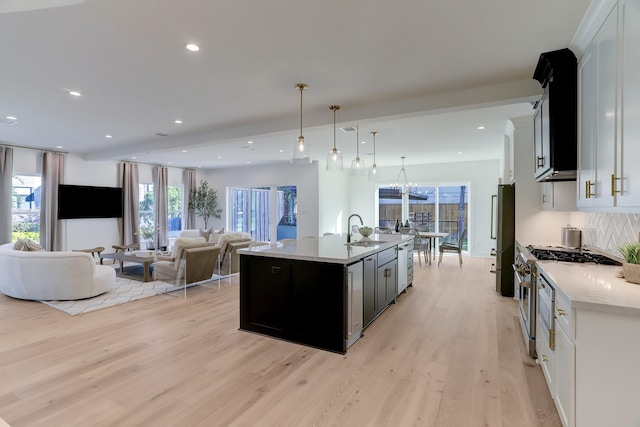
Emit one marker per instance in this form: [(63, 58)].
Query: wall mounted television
[(81, 201)]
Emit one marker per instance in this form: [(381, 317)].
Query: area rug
[(125, 290)]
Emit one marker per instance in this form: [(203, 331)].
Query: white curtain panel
[(189, 183), (130, 221), (51, 229), (161, 204), (6, 170)]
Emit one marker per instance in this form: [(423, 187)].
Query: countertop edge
[(365, 251)]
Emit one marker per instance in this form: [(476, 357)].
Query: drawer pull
[(544, 358), (560, 312)]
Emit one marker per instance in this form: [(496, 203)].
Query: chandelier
[(300, 154), (403, 186)]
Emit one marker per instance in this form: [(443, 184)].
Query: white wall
[(89, 233), (333, 196), (533, 225), (482, 177), (305, 177)]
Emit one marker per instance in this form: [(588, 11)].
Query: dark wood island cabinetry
[(311, 291)]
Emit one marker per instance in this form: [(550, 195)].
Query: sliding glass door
[(438, 208), (252, 208)]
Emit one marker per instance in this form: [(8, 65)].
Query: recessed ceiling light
[(248, 162), (108, 136), (58, 146), (250, 142), (219, 157), (281, 151), (178, 122), (363, 142), (74, 93), (184, 151), (133, 157), (11, 118), (193, 47), (169, 163), (459, 152), (480, 127)]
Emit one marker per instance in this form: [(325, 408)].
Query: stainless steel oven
[(546, 306), (525, 275)]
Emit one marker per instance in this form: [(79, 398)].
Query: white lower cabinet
[(556, 356), (565, 377)]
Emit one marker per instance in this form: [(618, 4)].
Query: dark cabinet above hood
[(556, 117)]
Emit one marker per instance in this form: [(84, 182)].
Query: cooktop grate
[(570, 255)]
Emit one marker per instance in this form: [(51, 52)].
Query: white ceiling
[(424, 74)]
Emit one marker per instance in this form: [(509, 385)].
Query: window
[(250, 211), (147, 215), (25, 207), (174, 216), (440, 208)]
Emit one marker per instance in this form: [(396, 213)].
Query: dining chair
[(418, 244), (453, 247)]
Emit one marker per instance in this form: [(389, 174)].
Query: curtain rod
[(4, 144)]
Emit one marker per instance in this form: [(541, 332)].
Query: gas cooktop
[(555, 253)]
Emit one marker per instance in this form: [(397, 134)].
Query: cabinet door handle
[(613, 185), (544, 198), (494, 198), (552, 341), (560, 312), (587, 193), (544, 358), (540, 162)]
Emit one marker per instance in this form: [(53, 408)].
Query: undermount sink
[(366, 243)]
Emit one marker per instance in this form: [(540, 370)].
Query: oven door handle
[(523, 283)]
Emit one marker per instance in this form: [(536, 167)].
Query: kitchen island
[(310, 291)]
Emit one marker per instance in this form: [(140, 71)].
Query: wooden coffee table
[(123, 257)]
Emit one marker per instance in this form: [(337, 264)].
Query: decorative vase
[(631, 272)]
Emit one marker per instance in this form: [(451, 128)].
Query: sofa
[(62, 275)]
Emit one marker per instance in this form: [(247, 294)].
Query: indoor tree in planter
[(631, 265), (203, 201)]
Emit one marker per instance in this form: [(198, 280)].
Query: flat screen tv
[(81, 201)]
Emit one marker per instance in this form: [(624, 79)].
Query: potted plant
[(203, 201), (631, 264)]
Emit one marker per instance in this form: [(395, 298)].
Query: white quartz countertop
[(593, 287), (331, 249)]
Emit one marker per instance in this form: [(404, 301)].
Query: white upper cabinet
[(627, 179), (609, 114)]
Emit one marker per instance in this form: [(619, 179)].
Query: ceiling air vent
[(348, 129)]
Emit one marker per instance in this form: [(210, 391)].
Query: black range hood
[(556, 117)]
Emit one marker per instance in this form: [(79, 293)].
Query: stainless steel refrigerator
[(505, 230)]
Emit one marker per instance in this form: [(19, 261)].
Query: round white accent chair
[(63, 275)]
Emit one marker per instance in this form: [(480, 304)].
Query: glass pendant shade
[(300, 153), (357, 165), (334, 157)]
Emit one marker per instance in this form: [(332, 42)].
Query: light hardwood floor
[(449, 353)]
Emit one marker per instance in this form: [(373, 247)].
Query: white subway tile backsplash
[(607, 231)]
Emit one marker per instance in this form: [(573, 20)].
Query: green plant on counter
[(631, 252)]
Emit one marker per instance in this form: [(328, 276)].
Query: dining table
[(432, 236)]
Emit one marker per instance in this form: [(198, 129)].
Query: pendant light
[(374, 167), (300, 154), (357, 165), (334, 158), (403, 187)]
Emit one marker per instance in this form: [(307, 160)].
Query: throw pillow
[(27, 245), (215, 237), (205, 233)]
